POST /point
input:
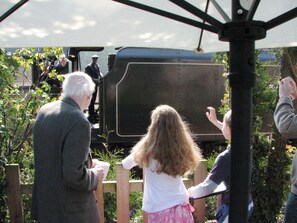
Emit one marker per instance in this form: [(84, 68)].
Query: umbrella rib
[(221, 11), (170, 15), (199, 13), (252, 10), (12, 9), (285, 17), (201, 32)]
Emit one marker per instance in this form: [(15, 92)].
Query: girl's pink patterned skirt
[(181, 213)]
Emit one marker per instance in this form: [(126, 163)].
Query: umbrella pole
[(241, 79), (241, 34)]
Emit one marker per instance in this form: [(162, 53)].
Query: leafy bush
[(18, 108), (270, 161), (110, 208)]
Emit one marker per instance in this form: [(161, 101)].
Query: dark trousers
[(291, 209), (92, 104)]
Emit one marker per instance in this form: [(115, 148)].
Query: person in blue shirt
[(220, 171)]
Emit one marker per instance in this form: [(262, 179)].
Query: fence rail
[(122, 186)]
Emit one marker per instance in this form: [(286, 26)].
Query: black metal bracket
[(243, 31), (242, 80)]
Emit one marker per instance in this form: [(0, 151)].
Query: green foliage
[(109, 198), (212, 157), (270, 163), (211, 201), (113, 157), (18, 108), (210, 207), (8, 68), (136, 207), (25, 161)]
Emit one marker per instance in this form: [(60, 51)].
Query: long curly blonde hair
[(170, 142)]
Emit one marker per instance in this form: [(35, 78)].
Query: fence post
[(123, 194), (14, 197), (199, 204), (100, 200)]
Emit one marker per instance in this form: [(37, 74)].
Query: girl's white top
[(161, 191)]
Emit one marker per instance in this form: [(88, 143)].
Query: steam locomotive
[(139, 79)]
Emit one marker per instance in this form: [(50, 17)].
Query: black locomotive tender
[(139, 79)]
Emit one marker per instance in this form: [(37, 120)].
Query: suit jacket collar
[(70, 101)]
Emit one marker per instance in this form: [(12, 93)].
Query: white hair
[(77, 84)]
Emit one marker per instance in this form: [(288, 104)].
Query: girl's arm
[(128, 162)]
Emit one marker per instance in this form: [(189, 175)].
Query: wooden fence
[(122, 186)]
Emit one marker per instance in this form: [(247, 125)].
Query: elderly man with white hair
[(66, 176)]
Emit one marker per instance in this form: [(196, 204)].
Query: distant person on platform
[(60, 68), (93, 69)]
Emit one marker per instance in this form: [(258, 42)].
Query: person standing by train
[(65, 175), (220, 171), (286, 122), (61, 68), (93, 70), (166, 153)]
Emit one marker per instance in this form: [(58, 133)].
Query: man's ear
[(229, 130)]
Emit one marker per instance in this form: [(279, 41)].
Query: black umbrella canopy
[(237, 26)]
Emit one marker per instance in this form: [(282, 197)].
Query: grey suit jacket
[(64, 185), (286, 122)]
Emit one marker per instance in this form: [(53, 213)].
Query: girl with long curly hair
[(166, 152)]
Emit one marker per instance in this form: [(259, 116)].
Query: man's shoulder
[(50, 105), (89, 65), (226, 154)]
